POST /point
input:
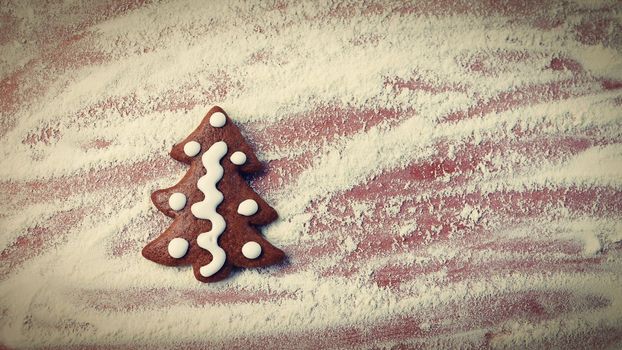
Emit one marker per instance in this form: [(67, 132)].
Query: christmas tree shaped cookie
[(215, 212)]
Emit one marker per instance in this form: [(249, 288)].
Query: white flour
[(164, 65)]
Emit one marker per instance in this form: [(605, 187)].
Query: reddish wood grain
[(512, 232)]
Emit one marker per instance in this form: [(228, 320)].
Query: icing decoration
[(217, 120), (192, 148), (206, 209), (248, 207), (238, 158), (177, 201), (251, 250), (178, 247)]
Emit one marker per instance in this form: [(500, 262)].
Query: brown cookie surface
[(215, 228)]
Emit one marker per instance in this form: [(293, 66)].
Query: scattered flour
[(154, 71)]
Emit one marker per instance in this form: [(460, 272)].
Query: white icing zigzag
[(206, 209)]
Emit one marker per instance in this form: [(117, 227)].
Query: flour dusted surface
[(445, 174)]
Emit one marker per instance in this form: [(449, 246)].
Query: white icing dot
[(251, 250), (217, 120), (177, 201), (177, 247), (248, 207), (192, 148), (238, 158)]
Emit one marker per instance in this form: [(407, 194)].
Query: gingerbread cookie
[(215, 212)]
